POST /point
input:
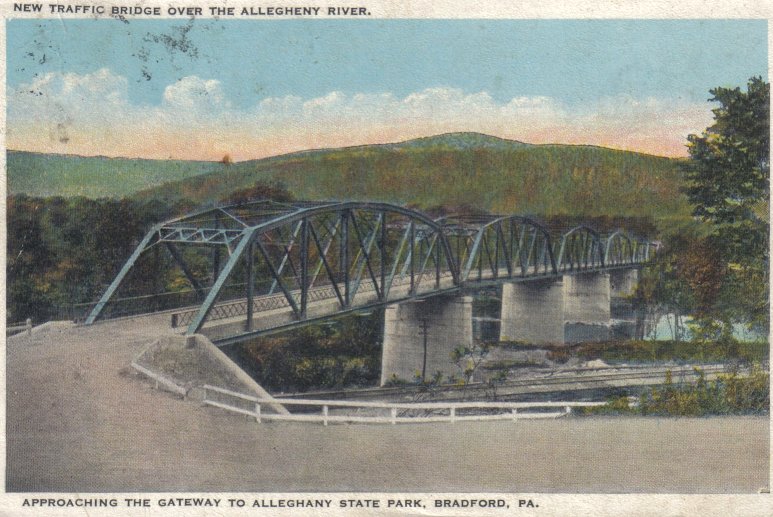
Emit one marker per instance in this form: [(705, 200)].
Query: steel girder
[(335, 252), (623, 249), (495, 248), (620, 249), (347, 256), (580, 249)]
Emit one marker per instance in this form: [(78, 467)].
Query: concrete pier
[(574, 309), (533, 312), (622, 285), (623, 282), (587, 312), (420, 336), (586, 298)]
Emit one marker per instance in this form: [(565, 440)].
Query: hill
[(454, 169), (44, 175), (460, 169), (459, 141)]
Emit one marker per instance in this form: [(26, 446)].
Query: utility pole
[(424, 362)]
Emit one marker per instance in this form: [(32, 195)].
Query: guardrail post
[(568, 410), (453, 414), (28, 323), (175, 317), (393, 414), (514, 411), (324, 415), (257, 412)]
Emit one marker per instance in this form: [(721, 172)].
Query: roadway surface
[(79, 420)]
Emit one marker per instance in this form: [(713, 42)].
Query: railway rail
[(560, 381)]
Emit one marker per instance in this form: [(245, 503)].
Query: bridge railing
[(137, 305), (342, 411), (239, 307)]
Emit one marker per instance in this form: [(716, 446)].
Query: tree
[(468, 359), (686, 277), (729, 171), (728, 174), (28, 259)]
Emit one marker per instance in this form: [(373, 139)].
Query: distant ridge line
[(453, 137)]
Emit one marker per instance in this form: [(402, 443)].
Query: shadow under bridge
[(256, 268)]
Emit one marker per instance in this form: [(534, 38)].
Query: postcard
[(286, 258)]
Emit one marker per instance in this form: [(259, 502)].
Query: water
[(664, 330), (485, 328), (486, 323)]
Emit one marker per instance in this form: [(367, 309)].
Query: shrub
[(728, 394)]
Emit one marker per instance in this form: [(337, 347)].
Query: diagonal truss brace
[(177, 256), (209, 303)]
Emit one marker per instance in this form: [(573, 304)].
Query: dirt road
[(79, 421)]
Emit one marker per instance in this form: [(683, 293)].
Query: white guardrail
[(397, 412), (17, 328)]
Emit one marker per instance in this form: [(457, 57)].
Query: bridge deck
[(227, 320)]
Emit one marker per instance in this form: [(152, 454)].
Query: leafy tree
[(28, 256), (64, 251), (728, 174), (344, 353), (729, 170), (468, 359), (685, 277)]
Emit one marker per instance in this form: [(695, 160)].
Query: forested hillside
[(43, 175), (451, 170), (464, 169)]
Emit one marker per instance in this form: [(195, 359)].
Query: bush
[(345, 353), (728, 394), (679, 351)]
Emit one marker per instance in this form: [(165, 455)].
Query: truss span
[(260, 267)]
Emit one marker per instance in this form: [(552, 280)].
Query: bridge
[(263, 267)]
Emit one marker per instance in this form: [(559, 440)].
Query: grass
[(663, 351), (508, 364)]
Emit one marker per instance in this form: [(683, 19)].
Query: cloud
[(195, 94), (91, 114), (53, 111), (72, 93)]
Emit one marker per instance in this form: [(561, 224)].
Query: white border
[(549, 504)]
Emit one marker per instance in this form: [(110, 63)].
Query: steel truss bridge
[(260, 267)]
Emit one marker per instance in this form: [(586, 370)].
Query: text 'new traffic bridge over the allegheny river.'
[(260, 267)]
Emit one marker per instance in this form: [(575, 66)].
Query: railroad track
[(562, 381)]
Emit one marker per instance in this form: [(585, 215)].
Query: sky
[(200, 89)]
